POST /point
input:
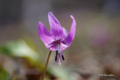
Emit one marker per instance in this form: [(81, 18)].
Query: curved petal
[(55, 26), (68, 40), (65, 33), (44, 34)]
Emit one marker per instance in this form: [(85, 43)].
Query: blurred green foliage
[(3, 74), (21, 49)]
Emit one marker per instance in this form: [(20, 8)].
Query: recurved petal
[(65, 33), (44, 34), (68, 40), (55, 26)]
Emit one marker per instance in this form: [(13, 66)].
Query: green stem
[(46, 65)]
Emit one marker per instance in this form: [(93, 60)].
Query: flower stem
[(46, 65)]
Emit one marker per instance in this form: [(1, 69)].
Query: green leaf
[(60, 72), (20, 48)]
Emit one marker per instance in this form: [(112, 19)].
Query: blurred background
[(93, 55)]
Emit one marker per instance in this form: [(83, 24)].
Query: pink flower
[(57, 38)]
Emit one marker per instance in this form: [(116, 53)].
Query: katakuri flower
[(57, 38)]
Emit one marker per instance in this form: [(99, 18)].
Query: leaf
[(60, 72), (20, 48)]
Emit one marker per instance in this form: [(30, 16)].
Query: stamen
[(63, 57), (56, 56)]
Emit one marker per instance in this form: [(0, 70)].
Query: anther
[(56, 56), (63, 57)]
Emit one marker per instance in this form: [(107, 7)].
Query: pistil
[(59, 52)]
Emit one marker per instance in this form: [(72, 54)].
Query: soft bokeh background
[(93, 55)]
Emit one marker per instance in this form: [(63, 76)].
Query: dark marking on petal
[(63, 42)]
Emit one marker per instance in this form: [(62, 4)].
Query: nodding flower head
[(57, 38)]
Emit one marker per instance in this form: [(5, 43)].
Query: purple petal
[(55, 26), (68, 40), (44, 34), (65, 33)]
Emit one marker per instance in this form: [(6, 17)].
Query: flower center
[(59, 54)]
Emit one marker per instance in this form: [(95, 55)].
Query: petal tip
[(73, 19), (71, 16), (40, 25), (40, 22), (50, 13)]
